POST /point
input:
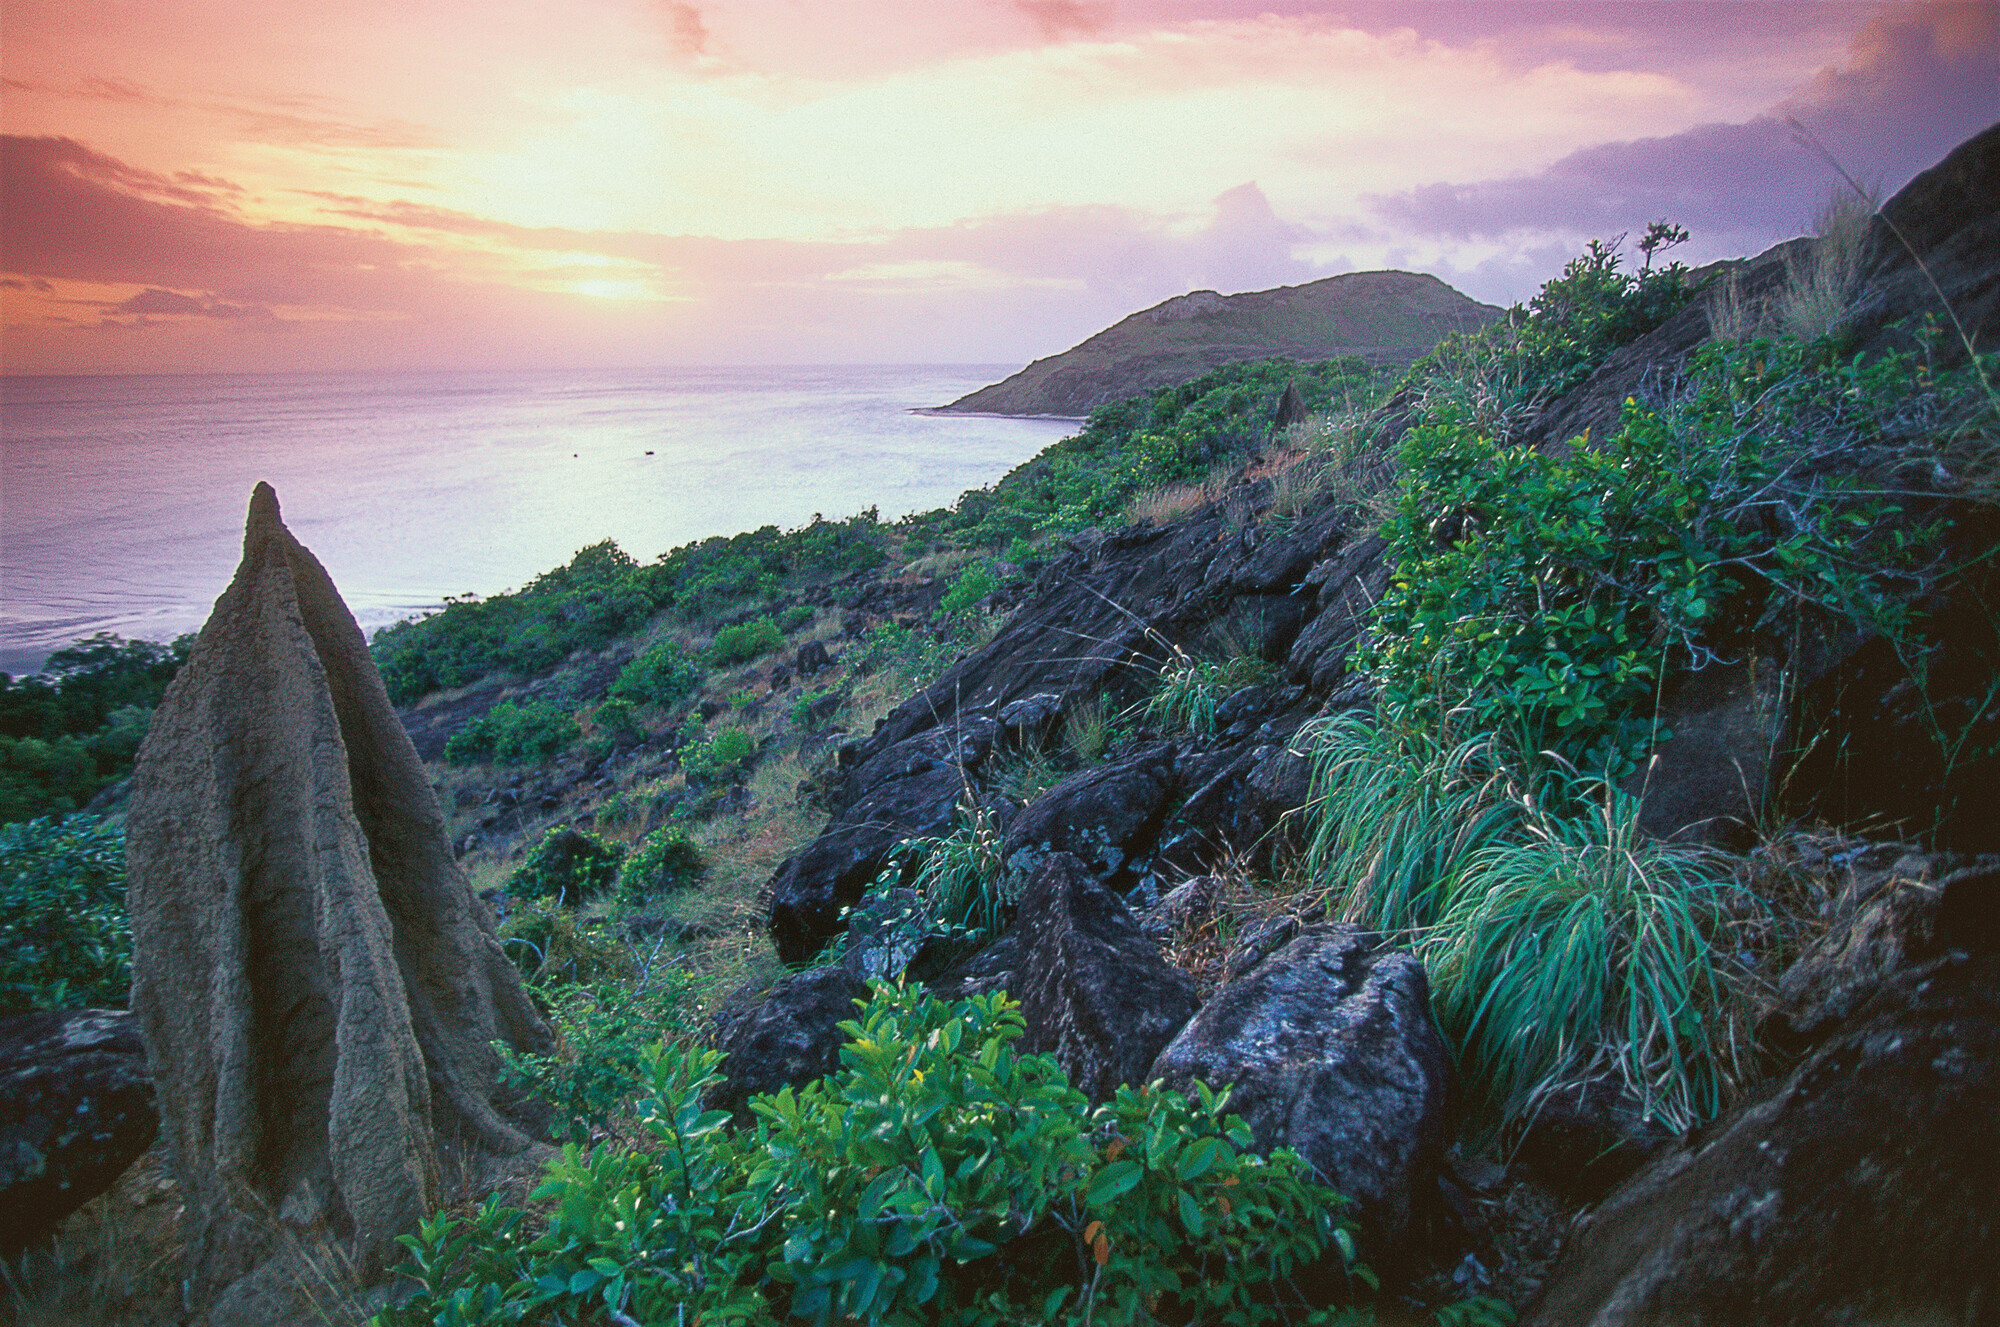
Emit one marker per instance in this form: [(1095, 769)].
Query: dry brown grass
[(1821, 281), (1164, 506)]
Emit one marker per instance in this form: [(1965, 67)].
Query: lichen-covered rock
[(791, 1038), (1329, 1048), (1093, 989), (911, 790), (1865, 1188), (76, 1108), (318, 988), (1103, 817)]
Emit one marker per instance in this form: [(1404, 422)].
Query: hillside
[(1384, 317), (1550, 791)]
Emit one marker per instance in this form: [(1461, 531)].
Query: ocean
[(122, 498)]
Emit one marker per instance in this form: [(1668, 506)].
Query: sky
[(276, 185)]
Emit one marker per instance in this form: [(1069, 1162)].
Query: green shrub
[(39, 778), (801, 712), (718, 757), (964, 894), (73, 728), (569, 865), (662, 676), (616, 719), (746, 641), (798, 615), (667, 859), (511, 734), (1542, 595), (937, 1178), (554, 946), (62, 911), (973, 584), (607, 1029)]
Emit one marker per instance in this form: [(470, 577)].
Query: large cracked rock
[(1329, 1048), (1093, 989), (318, 988), (76, 1108), (1105, 817), (912, 790), (1864, 1189)]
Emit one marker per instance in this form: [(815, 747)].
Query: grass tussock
[(1563, 946), (1822, 280)]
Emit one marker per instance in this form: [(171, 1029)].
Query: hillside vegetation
[(628, 751)]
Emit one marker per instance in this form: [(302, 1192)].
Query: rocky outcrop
[(1092, 988), (791, 1038), (1386, 317), (1863, 1188), (1328, 1048), (318, 988), (76, 1108)]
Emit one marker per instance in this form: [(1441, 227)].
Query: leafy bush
[(938, 1177), (601, 594), (718, 757), (973, 584), (62, 909), (511, 734), (615, 719), (608, 1029), (806, 714), (1543, 594), (746, 641), (75, 727), (662, 676), (798, 615), (555, 947), (964, 895), (569, 865), (667, 859)]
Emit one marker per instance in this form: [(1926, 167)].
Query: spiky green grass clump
[(1562, 945)]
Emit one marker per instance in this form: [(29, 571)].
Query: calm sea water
[(122, 499)]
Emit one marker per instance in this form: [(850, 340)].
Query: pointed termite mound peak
[(1291, 409), (318, 987)]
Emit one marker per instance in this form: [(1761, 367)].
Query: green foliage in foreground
[(937, 1178), (513, 734), (1562, 944), (74, 727), (1190, 689), (62, 910)]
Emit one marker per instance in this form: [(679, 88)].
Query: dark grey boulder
[(76, 1109), (1863, 1188), (792, 1038), (812, 658), (913, 796), (1104, 817), (1093, 989), (1330, 1049), (989, 970)]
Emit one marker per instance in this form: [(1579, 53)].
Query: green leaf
[(1113, 1182)]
